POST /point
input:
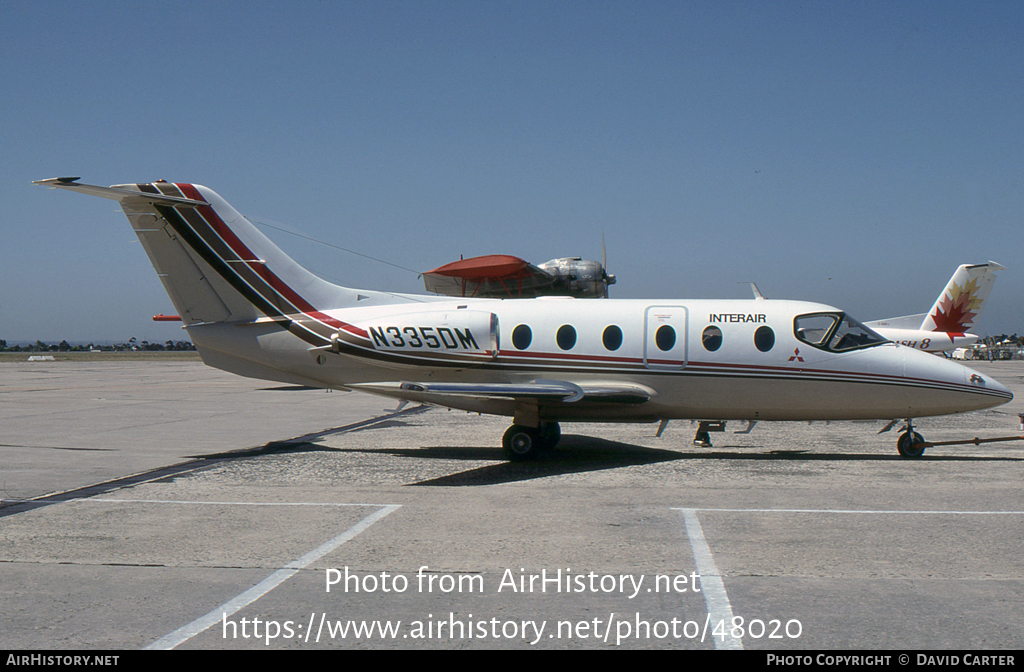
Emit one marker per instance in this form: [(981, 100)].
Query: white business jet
[(252, 310), (957, 309)]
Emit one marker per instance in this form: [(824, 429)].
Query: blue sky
[(852, 153)]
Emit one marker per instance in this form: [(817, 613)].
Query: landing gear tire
[(521, 443), (910, 445), (549, 434)]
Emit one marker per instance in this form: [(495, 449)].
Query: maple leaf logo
[(955, 312)]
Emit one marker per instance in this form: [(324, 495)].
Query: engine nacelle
[(575, 276)]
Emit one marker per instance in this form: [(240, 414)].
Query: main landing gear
[(703, 437), (526, 443)]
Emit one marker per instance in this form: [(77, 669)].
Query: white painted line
[(187, 632), (717, 600), (715, 597), (110, 500), (936, 512)]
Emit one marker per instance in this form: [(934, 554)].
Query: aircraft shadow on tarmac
[(580, 454), (290, 388), (575, 454)]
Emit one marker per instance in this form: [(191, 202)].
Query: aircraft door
[(495, 337), (665, 337)]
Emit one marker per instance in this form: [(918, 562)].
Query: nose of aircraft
[(956, 388)]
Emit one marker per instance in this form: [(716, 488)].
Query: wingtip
[(57, 180)]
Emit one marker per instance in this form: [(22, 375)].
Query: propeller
[(608, 278)]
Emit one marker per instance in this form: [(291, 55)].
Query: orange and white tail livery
[(957, 309)]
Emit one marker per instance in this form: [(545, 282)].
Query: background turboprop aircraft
[(957, 309), (252, 310), (502, 276)]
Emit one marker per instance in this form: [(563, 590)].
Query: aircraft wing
[(541, 391), (490, 276)]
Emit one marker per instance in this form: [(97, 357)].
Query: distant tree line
[(132, 345), (1003, 338)]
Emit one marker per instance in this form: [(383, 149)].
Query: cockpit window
[(837, 332), (814, 329), (852, 334)]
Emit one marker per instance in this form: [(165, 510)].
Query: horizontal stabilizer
[(117, 193), (905, 322)]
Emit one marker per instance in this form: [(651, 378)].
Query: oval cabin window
[(612, 337), (522, 336), (712, 339), (665, 338), (566, 337), (764, 339)]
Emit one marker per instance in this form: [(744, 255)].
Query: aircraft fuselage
[(699, 359)]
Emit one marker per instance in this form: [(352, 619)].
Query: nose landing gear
[(910, 444)]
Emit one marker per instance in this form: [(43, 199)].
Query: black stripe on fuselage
[(221, 267), (305, 319), (206, 230)]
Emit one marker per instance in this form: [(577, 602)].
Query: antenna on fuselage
[(757, 292)]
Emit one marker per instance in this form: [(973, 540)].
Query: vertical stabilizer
[(960, 304)]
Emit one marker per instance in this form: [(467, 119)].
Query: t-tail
[(214, 263), (221, 273)]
